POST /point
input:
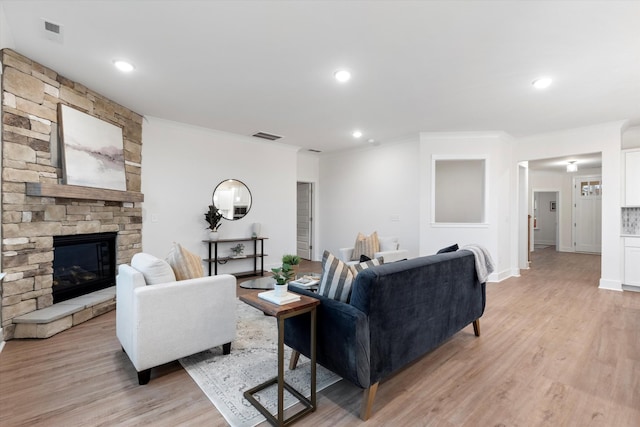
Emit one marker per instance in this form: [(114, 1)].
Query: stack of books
[(286, 299), (306, 281)]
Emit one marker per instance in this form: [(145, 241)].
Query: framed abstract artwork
[(92, 150)]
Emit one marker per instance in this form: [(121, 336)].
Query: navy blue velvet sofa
[(397, 312)]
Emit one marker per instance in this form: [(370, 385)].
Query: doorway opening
[(304, 220), (546, 208)]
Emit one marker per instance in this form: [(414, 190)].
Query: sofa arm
[(342, 338), (177, 319)]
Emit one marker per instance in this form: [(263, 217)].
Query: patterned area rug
[(253, 360)]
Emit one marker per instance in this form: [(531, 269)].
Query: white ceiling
[(248, 66)]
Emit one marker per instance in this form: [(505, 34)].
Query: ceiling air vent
[(52, 31), (265, 135), (313, 150)]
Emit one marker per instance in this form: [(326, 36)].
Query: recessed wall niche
[(458, 190)]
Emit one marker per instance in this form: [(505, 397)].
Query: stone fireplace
[(37, 209)]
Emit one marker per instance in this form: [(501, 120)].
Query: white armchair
[(389, 250), (163, 322)]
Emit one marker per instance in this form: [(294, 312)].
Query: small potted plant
[(282, 275), (294, 262), (214, 219), (238, 250)]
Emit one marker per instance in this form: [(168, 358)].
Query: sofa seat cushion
[(154, 270), (185, 264)]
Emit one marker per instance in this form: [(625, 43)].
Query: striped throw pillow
[(357, 268), (365, 245), (185, 264), (336, 278)]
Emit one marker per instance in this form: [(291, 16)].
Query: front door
[(587, 214)]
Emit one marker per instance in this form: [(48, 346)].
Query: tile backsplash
[(631, 221)]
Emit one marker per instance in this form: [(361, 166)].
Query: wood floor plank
[(554, 351)]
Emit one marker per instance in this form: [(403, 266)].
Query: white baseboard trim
[(500, 276), (1, 340), (631, 288), (610, 285)]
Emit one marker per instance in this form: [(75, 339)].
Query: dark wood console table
[(258, 253)]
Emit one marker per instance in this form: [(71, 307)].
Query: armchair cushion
[(389, 244), (185, 264), (154, 270)]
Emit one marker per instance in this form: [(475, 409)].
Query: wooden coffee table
[(282, 312)]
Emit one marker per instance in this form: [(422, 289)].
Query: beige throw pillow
[(365, 245), (185, 264)]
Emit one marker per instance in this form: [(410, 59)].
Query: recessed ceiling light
[(123, 66), (371, 140), (342, 76), (356, 134), (542, 83)]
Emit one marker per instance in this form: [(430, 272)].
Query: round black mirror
[(232, 198)]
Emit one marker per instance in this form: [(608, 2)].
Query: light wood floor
[(554, 351)]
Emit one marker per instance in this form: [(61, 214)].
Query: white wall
[(370, 189), (181, 166), (495, 233), (631, 137), (604, 138), (6, 38)]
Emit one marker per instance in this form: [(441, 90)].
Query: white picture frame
[(92, 150)]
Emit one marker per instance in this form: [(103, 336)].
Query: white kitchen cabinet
[(632, 261), (632, 178)]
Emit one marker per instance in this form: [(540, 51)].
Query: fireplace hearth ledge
[(61, 316)]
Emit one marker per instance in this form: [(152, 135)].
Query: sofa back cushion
[(154, 270)]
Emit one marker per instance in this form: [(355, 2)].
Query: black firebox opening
[(82, 264)]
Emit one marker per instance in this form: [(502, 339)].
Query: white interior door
[(587, 214), (304, 219)]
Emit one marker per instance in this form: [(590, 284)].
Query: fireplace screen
[(82, 264)]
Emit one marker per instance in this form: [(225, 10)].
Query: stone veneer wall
[(30, 94)]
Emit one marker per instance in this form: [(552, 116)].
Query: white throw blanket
[(484, 263)]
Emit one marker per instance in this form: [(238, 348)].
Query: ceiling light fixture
[(572, 166), (123, 66), (357, 134), (542, 82), (342, 76)]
